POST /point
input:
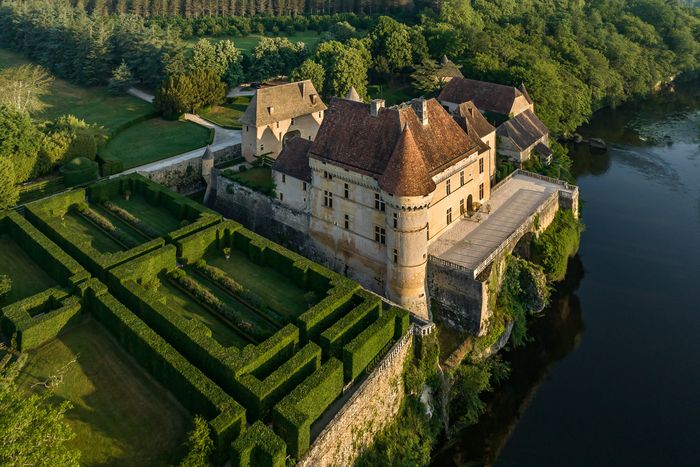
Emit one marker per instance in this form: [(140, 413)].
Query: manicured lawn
[(248, 43), (120, 415), (278, 291), (28, 278), (227, 115), (156, 217), (94, 104), (257, 178), (255, 319), (154, 140), (185, 306), (392, 93), (80, 228)]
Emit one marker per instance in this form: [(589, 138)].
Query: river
[(612, 375)]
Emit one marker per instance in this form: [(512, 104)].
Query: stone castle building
[(521, 134), (380, 184), (277, 114)]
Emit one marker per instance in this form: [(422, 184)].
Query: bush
[(258, 446), (199, 445), (557, 243), (293, 416), (79, 170)]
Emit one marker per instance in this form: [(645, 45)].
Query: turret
[(207, 164)]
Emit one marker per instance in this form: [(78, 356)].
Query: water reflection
[(556, 333)]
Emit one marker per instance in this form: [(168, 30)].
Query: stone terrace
[(472, 243)]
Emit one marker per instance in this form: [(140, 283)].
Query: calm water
[(613, 375)]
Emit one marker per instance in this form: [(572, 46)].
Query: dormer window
[(313, 98)]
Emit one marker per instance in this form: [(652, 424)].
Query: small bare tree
[(22, 87)]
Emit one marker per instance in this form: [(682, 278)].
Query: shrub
[(316, 319), (258, 446), (78, 171), (199, 445), (292, 417)]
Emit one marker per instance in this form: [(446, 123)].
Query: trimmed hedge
[(347, 327), (33, 321), (61, 267), (258, 396), (366, 346), (293, 416), (189, 385), (258, 446), (317, 318)]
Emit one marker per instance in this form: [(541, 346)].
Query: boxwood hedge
[(189, 385), (35, 320), (359, 352), (292, 416), (258, 446), (348, 326)]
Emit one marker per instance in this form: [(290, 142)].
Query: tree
[(275, 56), (9, 195), (122, 79), (19, 142), (345, 67), (310, 70), (425, 77), (199, 445), (209, 89), (391, 45), (223, 58), (174, 97), (22, 87), (34, 431)]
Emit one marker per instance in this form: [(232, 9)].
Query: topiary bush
[(79, 170)]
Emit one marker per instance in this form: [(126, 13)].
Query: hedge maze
[(257, 339)]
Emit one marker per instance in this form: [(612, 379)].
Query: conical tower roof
[(407, 173), (444, 60), (208, 155), (352, 95)]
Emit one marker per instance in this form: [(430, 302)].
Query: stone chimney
[(302, 88), (420, 107), (374, 106)]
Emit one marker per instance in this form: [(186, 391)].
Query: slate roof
[(270, 105), (294, 159), (489, 97), (377, 146), (469, 117), (525, 129)]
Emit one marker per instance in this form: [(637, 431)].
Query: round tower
[(407, 251), (207, 164)]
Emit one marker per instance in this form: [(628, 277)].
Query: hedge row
[(292, 416), (189, 385), (258, 446), (317, 318), (347, 327), (33, 321), (359, 352), (259, 395), (52, 259), (46, 216), (105, 224)]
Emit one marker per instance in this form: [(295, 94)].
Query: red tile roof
[(407, 171)]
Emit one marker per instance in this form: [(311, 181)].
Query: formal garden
[(254, 338)]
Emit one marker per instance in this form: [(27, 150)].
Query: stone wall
[(185, 175), (369, 410)]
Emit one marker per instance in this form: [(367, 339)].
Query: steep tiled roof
[(525, 129), (489, 97), (294, 159), (352, 138), (407, 173), (282, 102), (469, 117)]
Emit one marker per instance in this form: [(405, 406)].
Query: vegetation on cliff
[(559, 242)]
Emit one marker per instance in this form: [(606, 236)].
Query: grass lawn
[(81, 228), (28, 278), (255, 319), (154, 140), (257, 178), (278, 291), (94, 104), (156, 217), (227, 115), (248, 43), (185, 306), (392, 93), (120, 415)]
